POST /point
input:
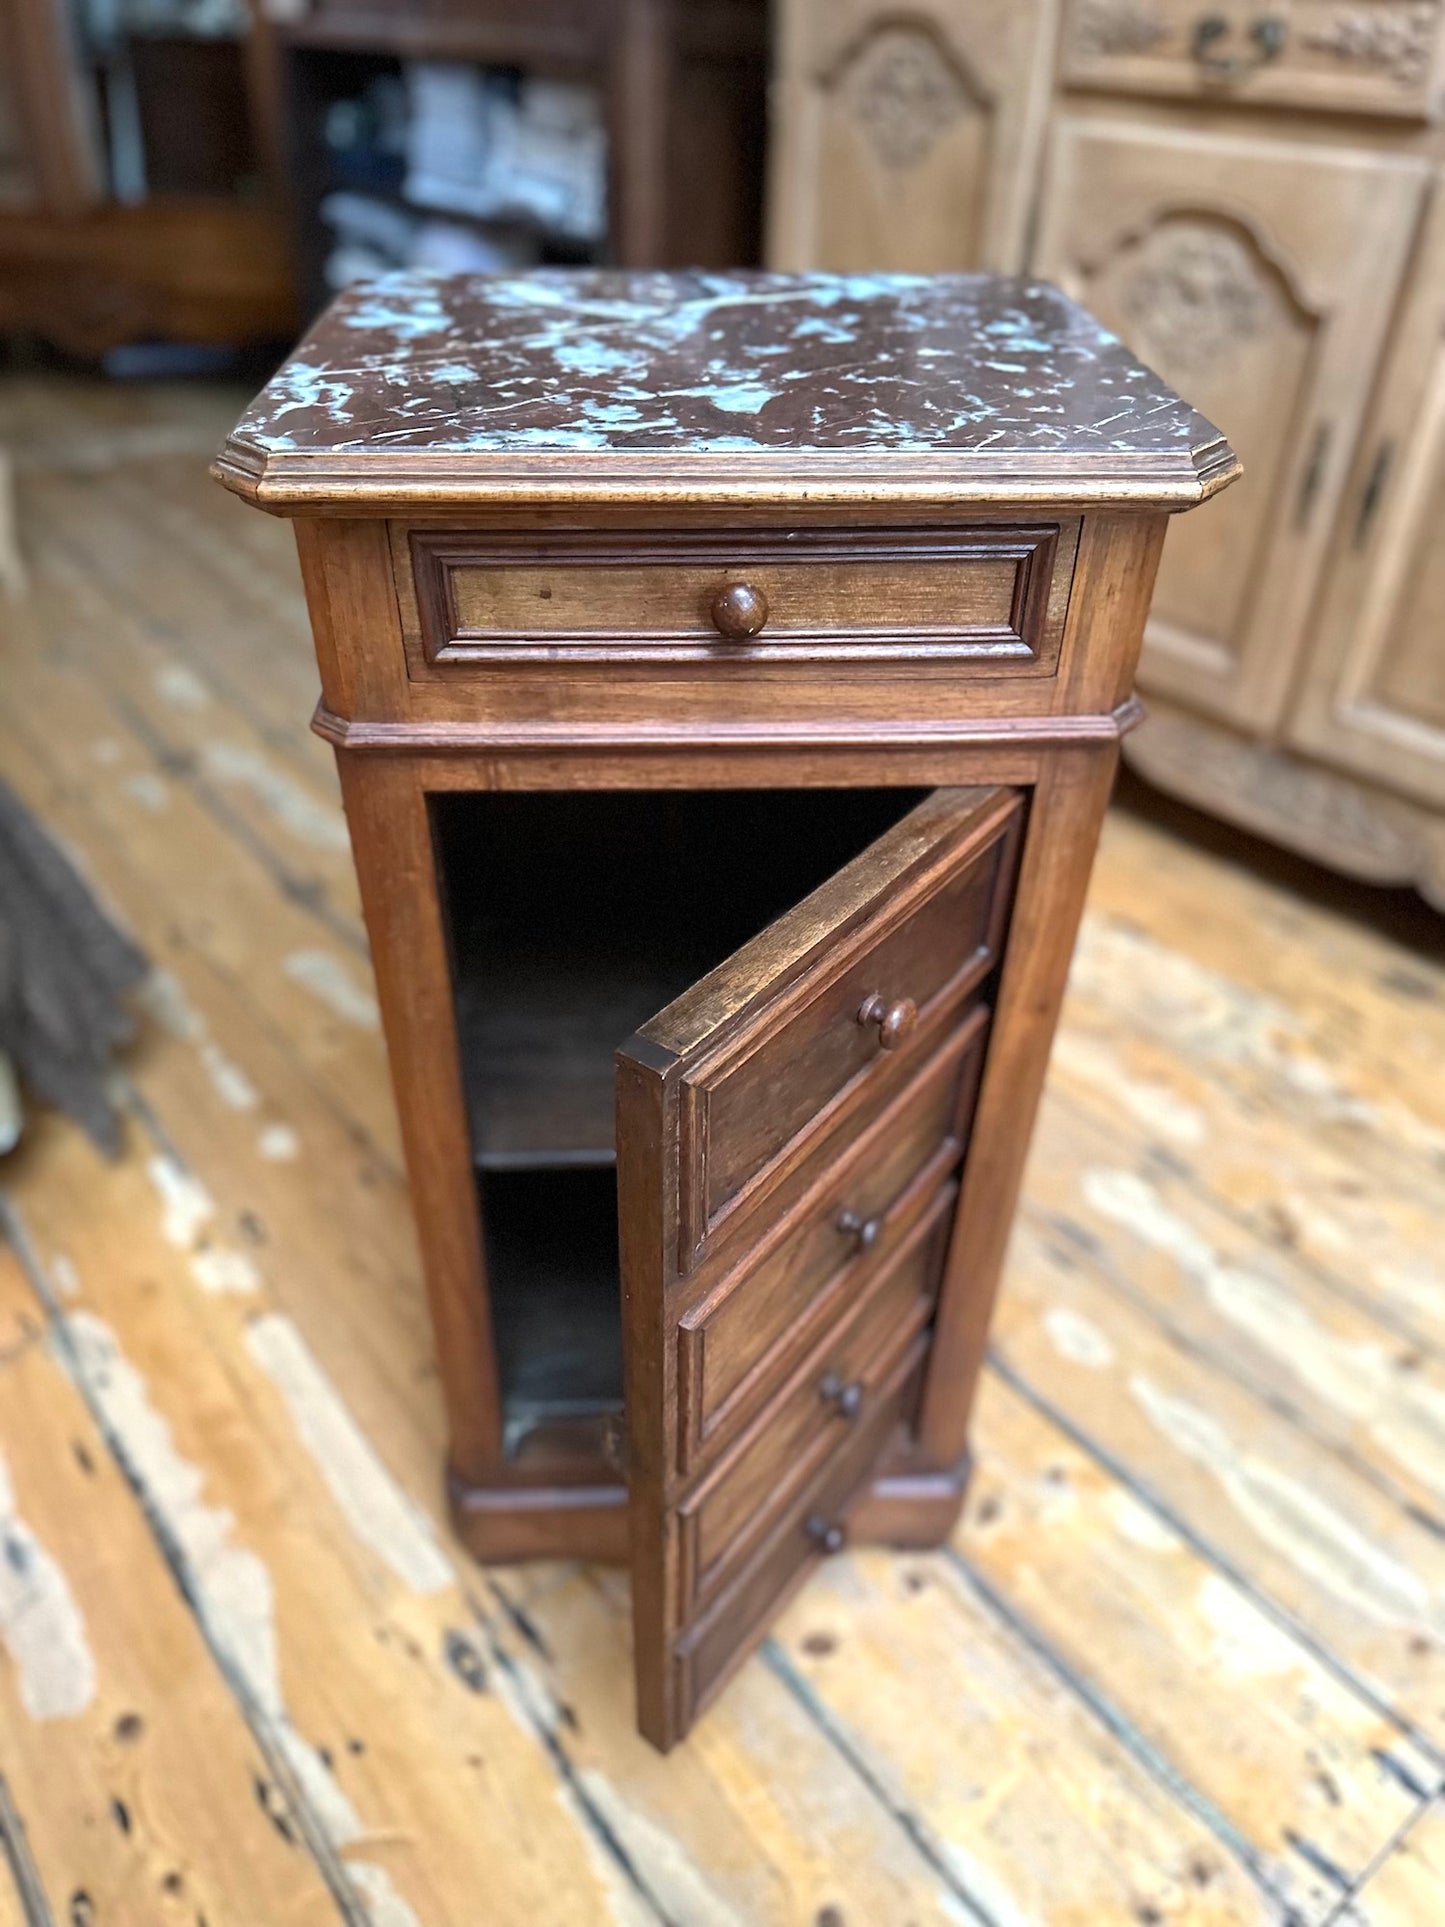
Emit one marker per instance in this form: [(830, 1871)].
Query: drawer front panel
[(874, 1002), (1374, 56), (709, 1650), (820, 1258), (974, 595), (831, 1396)]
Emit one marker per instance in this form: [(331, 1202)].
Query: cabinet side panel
[(391, 841), (1064, 822)]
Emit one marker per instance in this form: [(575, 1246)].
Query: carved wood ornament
[(1397, 44), (1104, 27), (1196, 290), (907, 91)]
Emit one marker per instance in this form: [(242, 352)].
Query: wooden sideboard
[(1254, 198), (726, 674)]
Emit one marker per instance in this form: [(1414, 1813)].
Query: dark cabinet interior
[(573, 919)]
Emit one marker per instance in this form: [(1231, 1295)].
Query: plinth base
[(505, 1524)]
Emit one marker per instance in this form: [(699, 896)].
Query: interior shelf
[(539, 1063)]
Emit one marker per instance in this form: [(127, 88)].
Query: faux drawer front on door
[(1375, 57), (811, 1526), (937, 594), (867, 1000), (845, 999), (831, 1395), (821, 1256)]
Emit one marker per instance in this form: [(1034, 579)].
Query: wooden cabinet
[(727, 676), (1373, 700), (1248, 194), (1261, 276), (906, 139)]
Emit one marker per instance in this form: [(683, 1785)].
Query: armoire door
[(789, 1136), (1372, 697), (906, 139), (1260, 277)]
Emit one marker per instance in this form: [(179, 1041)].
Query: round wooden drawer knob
[(739, 611), (894, 1021), (847, 1398), (864, 1232), (826, 1537)]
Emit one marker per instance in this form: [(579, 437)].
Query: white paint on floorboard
[(228, 1080), (326, 977), (187, 1213), (187, 1207), (310, 820), (278, 1144), (1295, 1521), (369, 1499), (229, 1584), (1374, 1382), (41, 1627), (1078, 1338), (1150, 1103)]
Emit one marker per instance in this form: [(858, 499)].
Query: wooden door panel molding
[(1372, 695), (917, 919), (907, 137), (755, 1315), (666, 1148), (472, 600), (829, 1396), (1261, 274)]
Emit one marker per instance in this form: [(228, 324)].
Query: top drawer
[(980, 594), (1367, 56)]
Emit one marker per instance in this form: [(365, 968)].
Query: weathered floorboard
[(121, 1746)]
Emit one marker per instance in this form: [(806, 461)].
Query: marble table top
[(415, 384)]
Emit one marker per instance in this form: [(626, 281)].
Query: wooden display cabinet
[(727, 674)]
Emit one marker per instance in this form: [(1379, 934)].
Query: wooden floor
[(1184, 1662)]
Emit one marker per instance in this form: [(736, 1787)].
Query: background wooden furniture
[(192, 251), (784, 705), (684, 82), (1251, 196)]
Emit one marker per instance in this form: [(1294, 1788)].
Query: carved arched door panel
[(905, 137), (1260, 278)]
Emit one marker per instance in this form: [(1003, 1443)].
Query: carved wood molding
[(1100, 28), (1017, 631), (1397, 44), (1195, 291), (482, 739), (904, 86)]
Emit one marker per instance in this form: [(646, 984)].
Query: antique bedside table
[(726, 674)]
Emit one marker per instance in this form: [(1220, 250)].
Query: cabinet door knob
[(863, 1231), (894, 1021), (826, 1537), (847, 1398), (739, 611)]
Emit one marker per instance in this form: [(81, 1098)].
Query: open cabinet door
[(789, 1132)]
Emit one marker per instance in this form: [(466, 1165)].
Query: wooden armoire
[(1253, 197)]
